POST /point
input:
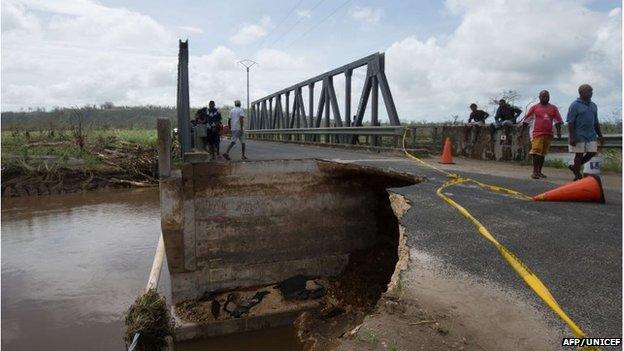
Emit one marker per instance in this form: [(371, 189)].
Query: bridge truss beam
[(278, 117)]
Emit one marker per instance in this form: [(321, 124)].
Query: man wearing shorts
[(542, 115), (584, 129), (236, 126)]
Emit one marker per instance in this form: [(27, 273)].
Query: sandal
[(542, 175), (577, 175), (535, 176), (226, 156)]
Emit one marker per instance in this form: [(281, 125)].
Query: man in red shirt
[(543, 115)]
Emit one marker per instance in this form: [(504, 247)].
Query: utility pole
[(247, 64)]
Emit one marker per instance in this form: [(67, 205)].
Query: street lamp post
[(247, 64)]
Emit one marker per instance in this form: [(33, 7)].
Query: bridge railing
[(378, 136), (276, 113), (429, 137)]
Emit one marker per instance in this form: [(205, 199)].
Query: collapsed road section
[(253, 245)]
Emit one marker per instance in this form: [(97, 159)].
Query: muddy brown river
[(72, 264)]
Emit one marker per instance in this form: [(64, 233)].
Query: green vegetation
[(148, 316), (368, 336), (64, 161), (63, 148), (104, 117), (611, 161)]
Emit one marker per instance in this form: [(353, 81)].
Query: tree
[(107, 105), (511, 96)]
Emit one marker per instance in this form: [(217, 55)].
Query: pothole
[(233, 231)]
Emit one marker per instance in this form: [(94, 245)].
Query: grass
[(62, 145), (368, 336), (146, 137), (611, 161), (148, 316)]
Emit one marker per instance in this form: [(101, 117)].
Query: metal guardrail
[(432, 133), (378, 131), (610, 141)]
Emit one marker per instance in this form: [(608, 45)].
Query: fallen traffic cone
[(588, 189), (447, 153)]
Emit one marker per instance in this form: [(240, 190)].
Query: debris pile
[(149, 317), (126, 165)]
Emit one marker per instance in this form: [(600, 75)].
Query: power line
[(295, 24), (281, 22), (318, 23)]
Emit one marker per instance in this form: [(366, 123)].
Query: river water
[(72, 264)]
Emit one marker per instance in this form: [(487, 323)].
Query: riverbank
[(59, 162), (53, 162)]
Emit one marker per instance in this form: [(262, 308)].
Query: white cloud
[(557, 45), (367, 14), (249, 33), (217, 76), (191, 29), (120, 56), (81, 53), (304, 13), (75, 52), (16, 18)]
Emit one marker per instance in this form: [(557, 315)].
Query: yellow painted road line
[(530, 278)]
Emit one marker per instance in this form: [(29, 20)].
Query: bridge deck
[(575, 248)]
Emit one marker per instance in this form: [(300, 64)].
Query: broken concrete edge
[(175, 226), (328, 165), (400, 205), (200, 157)]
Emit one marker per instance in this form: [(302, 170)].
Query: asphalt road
[(575, 248)]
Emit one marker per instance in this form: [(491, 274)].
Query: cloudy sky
[(440, 55)]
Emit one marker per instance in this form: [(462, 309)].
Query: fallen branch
[(48, 143), (133, 183)]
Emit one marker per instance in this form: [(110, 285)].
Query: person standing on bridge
[(542, 115), (583, 129), (236, 123), (213, 121)]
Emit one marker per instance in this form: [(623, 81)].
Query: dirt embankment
[(125, 166)]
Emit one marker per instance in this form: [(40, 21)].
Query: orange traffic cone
[(447, 154), (588, 189)]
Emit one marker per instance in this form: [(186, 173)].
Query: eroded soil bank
[(357, 289), (126, 166), (348, 299), (427, 307)]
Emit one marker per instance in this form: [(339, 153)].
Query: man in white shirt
[(236, 126)]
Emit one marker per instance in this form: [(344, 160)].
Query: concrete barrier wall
[(484, 142), (228, 225)]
